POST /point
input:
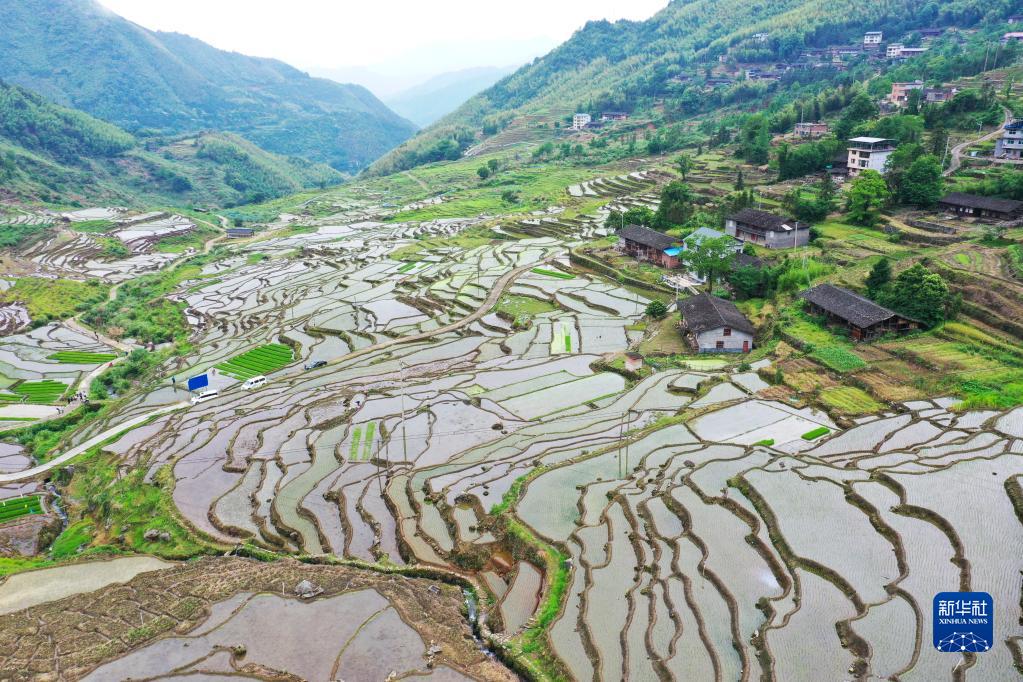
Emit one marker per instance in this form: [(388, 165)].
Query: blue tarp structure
[(201, 381)]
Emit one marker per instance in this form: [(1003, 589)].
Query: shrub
[(657, 310)]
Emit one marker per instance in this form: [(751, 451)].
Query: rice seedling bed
[(261, 360), (75, 357), (838, 358), (39, 392), (18, 507), (850, 400), (552, 273)]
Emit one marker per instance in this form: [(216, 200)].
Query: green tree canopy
[(880, 275), (710, 257), (676, 206), (923, 185), (867, 195), (918, 293)]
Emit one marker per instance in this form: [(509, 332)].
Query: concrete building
[(899, 95), (868, 153), (811, 130), (872, 40), (767, 229), (893, 50), (580, 121), (714, 325), (938, 95), (1010, 144)]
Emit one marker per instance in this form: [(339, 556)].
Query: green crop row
[(78, 357), (553, 273)]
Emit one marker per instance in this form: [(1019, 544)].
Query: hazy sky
[(393, 40)]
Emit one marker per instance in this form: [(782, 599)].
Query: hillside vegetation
[(53, 153), (79, 54), (648, 67)]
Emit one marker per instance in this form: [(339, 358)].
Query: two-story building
[(767, 229), (899, 95), (811, 130), (868, 153), (1010, 144), (645, 244), (714, 325)]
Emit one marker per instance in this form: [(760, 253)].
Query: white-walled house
[(869, 153), (580, 121), (714, 325)]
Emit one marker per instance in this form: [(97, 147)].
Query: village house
[(614, 116), (868, 153), (1010, 144), (811, 130), (929, 33), (1016, 19), (938, 95), (652, 246), (864, 319), (982, 208), (580, 121), (909, 52), (240, 232), (767, 229), (713, 325), (872, 40), (1016, 36), (900, 92), (893, 50)]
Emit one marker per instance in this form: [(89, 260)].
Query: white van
[(204, 396), (253, 382)]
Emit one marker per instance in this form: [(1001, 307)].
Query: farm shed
[(975, 206), (865, 319), (240, 232), (714, 325)]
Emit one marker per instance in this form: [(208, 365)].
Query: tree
[(710, 257), (483, 172), (740, 182), (493, 165), (879, 277), (867, 195), (676, 206), (918, 293), (755, 140), (684, 163), (637, 215), (923, 185), (656, 309), (749, 282)]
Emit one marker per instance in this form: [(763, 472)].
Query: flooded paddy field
[(466, 420)]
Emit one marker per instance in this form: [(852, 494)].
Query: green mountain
[(425, 103), (646, 67), (52, 153), (79, 54)]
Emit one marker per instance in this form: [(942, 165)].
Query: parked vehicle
[(204, 396), (314, 364), (253, 382)]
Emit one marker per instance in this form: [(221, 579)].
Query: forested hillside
[(79, 54), (650, 66), (50, 152)]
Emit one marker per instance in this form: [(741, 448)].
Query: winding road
[(957, 151)]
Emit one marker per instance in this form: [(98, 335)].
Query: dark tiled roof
[(646, 237), (704, 312), (744, 260), (847, 305), (986, 203), (762, 220)]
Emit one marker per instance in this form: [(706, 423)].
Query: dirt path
[(426, 188), (957, 151)]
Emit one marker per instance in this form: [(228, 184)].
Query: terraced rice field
[(711, 533), (37, 392), (258, 361), (17, 507)]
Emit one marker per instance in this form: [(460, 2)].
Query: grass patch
[(552, 273), (260, 360), (40, 439), (523, 308), (76, 535), (767, 442), (353, 450), (850, 400), (81, 357), (838, 358), (816, 433), (367, 450), (408, 266), (93, 226), (55, 299)]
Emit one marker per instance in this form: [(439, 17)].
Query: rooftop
[(985, 203), (766, 221), (647, 237), (847, 305), (704, 312)]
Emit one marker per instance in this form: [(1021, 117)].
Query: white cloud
[(385, 35)]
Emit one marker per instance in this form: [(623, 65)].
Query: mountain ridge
[(172, 83)]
